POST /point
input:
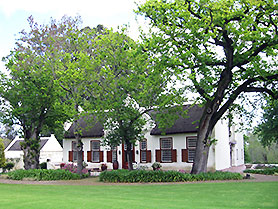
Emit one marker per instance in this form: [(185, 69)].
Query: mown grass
[(201, 195)]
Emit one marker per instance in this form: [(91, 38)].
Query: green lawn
[(201, 195)]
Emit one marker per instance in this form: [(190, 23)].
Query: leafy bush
[(265, 171), (44, 175), (8, 166), (163, 176), (43, 165)]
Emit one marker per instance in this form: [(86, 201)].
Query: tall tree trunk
[(31, 150), (79, 155), (78, 134), (129, 155), (203, 143)]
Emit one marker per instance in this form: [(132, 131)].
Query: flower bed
[(163, 176)]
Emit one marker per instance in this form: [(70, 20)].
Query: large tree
[(30, 96), (224, 47), (76, 73), (131, 88)]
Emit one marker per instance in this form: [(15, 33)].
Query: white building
[(49, 149), (174, 150)]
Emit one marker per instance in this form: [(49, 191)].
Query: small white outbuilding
[(50, 149)]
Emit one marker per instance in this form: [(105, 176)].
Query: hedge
[(44, 175), (265, 171), (163, 176)]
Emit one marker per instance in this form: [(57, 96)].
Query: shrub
[(2, 154), (163, 176), (265, 171), (44, 175), (43, 165), (8, 166)]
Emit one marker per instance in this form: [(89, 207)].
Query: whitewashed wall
[(222, 146)]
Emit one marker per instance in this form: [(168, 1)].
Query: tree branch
[(244, 88), (262, 90)]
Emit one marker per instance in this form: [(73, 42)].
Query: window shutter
[(184, 155), (174, 155), (109, 156), (100, 156), (158, 155), (89, 156), (140, 156), (149, 156), (70, 156), (82, 155)]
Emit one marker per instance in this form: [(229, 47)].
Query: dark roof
[(187, 124), (95, 130), (16, 145)]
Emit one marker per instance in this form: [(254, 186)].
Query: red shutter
[(184, 155), (109, 156), (174, 155), (89, 156), (70, 156), (158, 155), (149, 156), (82, 155), (100, 156)]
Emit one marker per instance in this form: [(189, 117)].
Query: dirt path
[(95, 182)]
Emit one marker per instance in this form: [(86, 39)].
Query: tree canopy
[(30, 96), (225, 48), (131, 87), (267, 130)]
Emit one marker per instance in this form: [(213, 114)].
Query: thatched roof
[(188, 124), (93, 130), (16, 146)]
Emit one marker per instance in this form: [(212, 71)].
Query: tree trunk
[(79, 156), (31, 150), (129, 155), (203, 144)]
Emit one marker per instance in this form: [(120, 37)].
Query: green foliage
[(218, 49), (44, 175), (29, 93), (43, 165), (156, 165), (163, 176), (9, 166), (258, 153), (265, 171), (2, 154), (131, 87), (267, 130)]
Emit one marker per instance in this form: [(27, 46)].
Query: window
[(114, 153), (143, 150), (125, 147), (166, 149), (74, 151), (191, 146), (95, 148)]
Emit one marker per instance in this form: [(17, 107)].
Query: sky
[(14, 14)]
